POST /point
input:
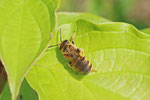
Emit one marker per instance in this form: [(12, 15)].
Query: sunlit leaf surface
[(118, 51), (66, 17), (25, 27)]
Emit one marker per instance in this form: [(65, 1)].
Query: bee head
[(63, 43)]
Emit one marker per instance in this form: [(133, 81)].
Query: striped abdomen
[(82, 64)]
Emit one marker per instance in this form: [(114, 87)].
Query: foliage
[(65, 18), (118, 51), (146, 30), (26, 93), (115, 10), (24, 34), (112, 49)]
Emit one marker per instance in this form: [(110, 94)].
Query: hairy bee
[(77, 60)]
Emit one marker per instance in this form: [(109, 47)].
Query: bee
[(77, 60)]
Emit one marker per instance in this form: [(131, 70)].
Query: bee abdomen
[(86, 67), (82, 64)]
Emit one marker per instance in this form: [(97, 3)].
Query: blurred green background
[(136, 12)]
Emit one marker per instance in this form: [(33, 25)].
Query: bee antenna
[(53, 45), (60, 35)]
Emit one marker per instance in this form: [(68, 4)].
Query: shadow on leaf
[(78, 76)]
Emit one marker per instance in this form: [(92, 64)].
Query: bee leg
[(72, 42), (73, 38), (93, 70), (80, 51), (72, 67)]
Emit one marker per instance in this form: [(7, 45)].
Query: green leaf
[(26, 92), (25, 27), (52, 6), (65, 18), (6, 93), (118, 51), (146, 30)]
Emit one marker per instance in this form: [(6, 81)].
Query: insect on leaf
[(118, 51)]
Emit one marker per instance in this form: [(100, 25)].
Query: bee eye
[(65, 49), (71, 55)]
